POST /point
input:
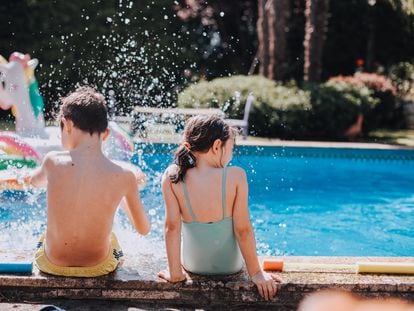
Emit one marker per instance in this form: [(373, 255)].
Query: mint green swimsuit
[(210, 248)]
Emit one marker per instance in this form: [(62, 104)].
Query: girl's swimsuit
[(210, 248)]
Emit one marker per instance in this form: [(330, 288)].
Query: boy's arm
[(139, 175), (133, 207), (172, 233), (245, 236), (38, 178)]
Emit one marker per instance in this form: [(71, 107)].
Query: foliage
[(375, 82), (277, 110), (132, 49), (348, 31), (224, 35), (388, 113), (319, 111), (402, 76), (335, 107), (145, 52)]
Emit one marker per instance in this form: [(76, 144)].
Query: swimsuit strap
[(187, 200), (223, 191)]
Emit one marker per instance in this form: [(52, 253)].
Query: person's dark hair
[(200, 132), (86, 108)]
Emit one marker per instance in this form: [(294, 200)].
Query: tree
[(223, 33), (316, 13), (272, 30)]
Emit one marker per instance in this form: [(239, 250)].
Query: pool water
[(303, 201)]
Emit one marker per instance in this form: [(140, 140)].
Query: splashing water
[(130, 64)]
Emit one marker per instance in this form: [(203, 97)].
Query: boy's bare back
[(83, 195), (84, 189)]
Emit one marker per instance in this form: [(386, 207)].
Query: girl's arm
[(245, 236), (172, 233)]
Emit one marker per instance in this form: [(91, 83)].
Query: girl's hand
[(266, 284), (165, 274)]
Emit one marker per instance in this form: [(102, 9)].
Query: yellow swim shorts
[(110, 263)]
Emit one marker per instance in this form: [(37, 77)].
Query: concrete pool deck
[(139, 286)]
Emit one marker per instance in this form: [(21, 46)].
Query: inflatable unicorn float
[(26, 146)]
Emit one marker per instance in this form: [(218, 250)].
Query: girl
[(208, 202)]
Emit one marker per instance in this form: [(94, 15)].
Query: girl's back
[(206, 203), (204, 187)]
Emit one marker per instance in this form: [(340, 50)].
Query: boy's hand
[(165, 274), (266, 284)]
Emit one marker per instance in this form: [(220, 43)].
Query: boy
[(84, 189)]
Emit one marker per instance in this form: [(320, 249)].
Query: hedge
[(286, 111)]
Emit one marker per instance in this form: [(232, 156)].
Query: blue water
[(303, 201)]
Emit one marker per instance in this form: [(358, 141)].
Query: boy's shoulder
[(131, 171), (53, 157)]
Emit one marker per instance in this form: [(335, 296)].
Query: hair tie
[(190, 158), (186, 145)]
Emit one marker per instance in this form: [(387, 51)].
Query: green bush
[(402, 76), (320, 111), (335, 107), (277, 110), (388, 113)]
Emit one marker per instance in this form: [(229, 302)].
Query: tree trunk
[(272, 28), (369, 60), (263, 34), (282, 14), (316, 24)]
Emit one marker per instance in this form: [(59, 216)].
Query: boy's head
[(86, 108)]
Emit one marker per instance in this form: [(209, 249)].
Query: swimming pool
[(303, 201)]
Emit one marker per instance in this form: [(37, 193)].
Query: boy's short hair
[(86, 108)]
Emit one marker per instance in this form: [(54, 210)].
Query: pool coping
[(140, 283)]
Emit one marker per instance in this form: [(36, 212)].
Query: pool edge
[(132, 284)]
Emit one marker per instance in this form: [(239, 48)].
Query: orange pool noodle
[(273, 265)]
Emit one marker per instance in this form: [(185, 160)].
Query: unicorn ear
[(33, 63), (3, 60)]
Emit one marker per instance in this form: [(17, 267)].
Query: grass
[(395, 137)]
